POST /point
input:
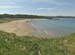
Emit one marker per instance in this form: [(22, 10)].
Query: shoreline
[(22, 28), (26, 28)]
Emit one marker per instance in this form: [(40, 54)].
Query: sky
[(38, 7)]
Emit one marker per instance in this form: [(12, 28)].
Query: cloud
[(45, 8), (19, 0), (61, 2), (40, 0), (9, 7), (53, 10), (51, 2)]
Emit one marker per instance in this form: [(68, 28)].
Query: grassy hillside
[(3, 20), (10, 44)]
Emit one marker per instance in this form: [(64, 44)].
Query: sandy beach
[(21, 28)]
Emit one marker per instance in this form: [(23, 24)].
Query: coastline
[(22, 28)]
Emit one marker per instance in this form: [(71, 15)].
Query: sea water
[(56, 27)]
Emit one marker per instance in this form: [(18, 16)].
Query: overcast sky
[(38, 7)]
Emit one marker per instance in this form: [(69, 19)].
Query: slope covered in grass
[(10, 44), (5, 20)]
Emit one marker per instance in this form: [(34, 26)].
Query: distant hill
[(22, 16), (31, 16)]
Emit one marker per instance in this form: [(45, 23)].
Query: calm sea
[(57, 27)]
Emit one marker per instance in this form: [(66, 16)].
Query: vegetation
[(31, 16), (10, 17), (22, 16), (5, 20), (10, 44)]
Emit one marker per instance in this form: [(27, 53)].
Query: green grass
[(4, 20), (10, 44)]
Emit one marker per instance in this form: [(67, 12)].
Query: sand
[(21, 28)]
